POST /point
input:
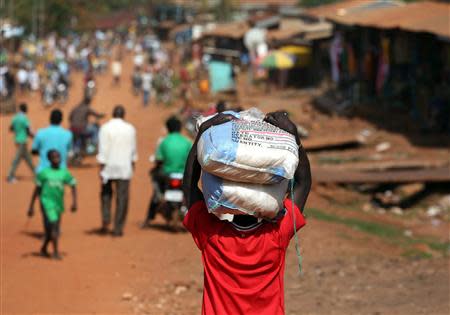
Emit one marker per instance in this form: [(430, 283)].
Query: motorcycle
[(172, 207), (86, 146), (90, 89), (171, 203), (48, 94), (62, 93)]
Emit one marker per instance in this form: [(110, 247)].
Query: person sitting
[(79, 118), (171, 156)]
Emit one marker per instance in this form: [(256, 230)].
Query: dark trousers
[(122, 192), (79, 140), (158, 179), (21, 154)]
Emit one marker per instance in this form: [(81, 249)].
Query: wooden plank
[(371, 166), (349, 176), (331, 142)]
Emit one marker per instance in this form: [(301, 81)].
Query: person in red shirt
[(244, 259)]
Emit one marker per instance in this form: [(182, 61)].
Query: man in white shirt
[(138, 60), (22, 79), (116, 69), (33, 80), (116, 154), (147, 78)]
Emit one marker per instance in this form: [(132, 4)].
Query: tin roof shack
[(225, 41), (251, 7), (298, 37), (181, 34), (168, 16), (396, 55)]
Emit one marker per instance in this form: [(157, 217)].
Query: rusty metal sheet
[(234, 30), (423, 16), (331, 10)]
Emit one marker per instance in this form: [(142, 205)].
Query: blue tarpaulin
[(220, 76)]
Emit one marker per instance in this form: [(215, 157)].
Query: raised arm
[(192, 171), (302, 179), (96, 114), (192, 193), (29, 132), (302, 174)]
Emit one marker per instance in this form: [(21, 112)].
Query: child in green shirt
[(50, 188)]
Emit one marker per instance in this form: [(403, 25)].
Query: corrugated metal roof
[(331, 10), (268, 2), (293, 27), (425, 16), (233, 30)]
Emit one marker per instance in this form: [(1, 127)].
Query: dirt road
[(156, 272)]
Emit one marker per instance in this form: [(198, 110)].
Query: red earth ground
[(154, 271)]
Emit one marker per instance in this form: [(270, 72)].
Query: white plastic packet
[(248, 150), (224, 198)]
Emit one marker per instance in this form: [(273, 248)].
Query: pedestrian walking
[(22, 79), (116, 69), (138, 60), (117, 154), (20, 125), (147, 78), (244, 260), (136, 81), (50, 183), (34, 80), (54, 137)]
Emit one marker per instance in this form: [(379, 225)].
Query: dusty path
[(346, 272)]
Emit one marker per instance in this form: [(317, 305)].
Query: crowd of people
[(44, 66), (257, 247)]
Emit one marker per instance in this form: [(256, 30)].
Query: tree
[(57, 15)]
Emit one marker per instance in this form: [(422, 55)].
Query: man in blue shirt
[(54, 137)]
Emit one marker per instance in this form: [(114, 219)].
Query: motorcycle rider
[(62, 88), (79, 118), (171, 156), (89, 84)]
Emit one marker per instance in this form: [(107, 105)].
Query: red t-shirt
[(243, 269)]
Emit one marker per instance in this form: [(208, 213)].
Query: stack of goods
[(246, 166)]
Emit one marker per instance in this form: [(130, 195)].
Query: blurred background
[(366, 81)]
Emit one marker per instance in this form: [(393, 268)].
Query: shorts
[(50, 218)]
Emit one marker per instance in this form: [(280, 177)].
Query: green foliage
[(388, 232), (314, 3), (56, 15)]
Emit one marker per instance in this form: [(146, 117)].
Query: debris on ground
[(382, 147), (127, 296), (433, 211), (400, 196)]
